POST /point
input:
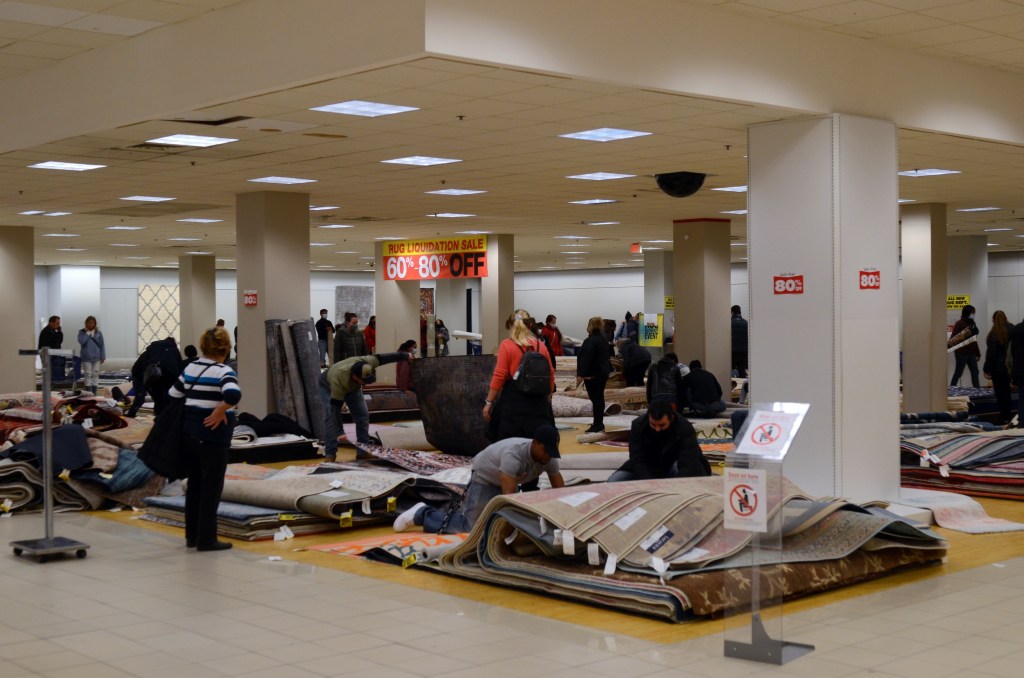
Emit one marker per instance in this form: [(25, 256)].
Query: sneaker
[(404, 521)]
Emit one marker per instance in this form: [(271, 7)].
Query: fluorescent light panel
[(67, 166), (605, 134), (980, 209), (572, 237), (365, 109), (927, 172), (601, 176), (282, 180), (473, 232), (194, 140), (60, 235), (455, 191), (734, 212), (731, 189), (197, 220), (602, 223), (335, 226), (32, 212), (995, 230), (56, 214), (321, 208), (146, 198), (450, 215), (420, 161), (124, 228), (184, 239), (594, 201)]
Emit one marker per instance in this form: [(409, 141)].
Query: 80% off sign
[(432, 266)]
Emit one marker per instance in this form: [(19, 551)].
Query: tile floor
[(140, 605)]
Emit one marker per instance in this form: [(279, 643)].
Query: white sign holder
[(753, 484)]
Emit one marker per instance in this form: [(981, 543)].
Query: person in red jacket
[(370, 335), (553, 335)]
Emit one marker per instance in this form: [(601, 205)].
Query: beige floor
[(141, 605)]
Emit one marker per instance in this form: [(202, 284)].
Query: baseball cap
[(548, 436), (364, 371)]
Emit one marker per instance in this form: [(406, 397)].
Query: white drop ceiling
[(503, 125)]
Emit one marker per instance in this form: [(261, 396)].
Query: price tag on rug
[(594, 553), (609, 565), (87, 422), (512, 537), (543, 525), (366, 507), (557, 538), (568, 543), (409, 560)]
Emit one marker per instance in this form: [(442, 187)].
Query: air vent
[(324, 135), (213, 123), (146, 146)]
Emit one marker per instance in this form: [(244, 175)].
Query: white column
[(967, 273), (823, 205), (17, 277), (397, 304), (923, 247), (197, 294), (701, 273), (273, 261), (497, 290)]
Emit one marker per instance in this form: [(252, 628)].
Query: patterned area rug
[(957, 512), (394, 548)]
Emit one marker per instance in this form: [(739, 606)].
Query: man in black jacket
[(662, 444), (154, 371), (664, 382), (349, 341), (702, 392)]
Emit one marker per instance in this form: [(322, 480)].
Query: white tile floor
[(140, 605)]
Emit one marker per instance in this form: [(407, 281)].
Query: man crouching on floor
[(498, 469)]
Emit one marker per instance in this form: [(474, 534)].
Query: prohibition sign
[(766, 434), (743, 500)]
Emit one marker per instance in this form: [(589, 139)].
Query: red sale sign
[(434, 259), (788, 283), (870, 279), (250, 297)]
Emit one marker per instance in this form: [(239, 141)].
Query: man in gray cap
[(498, 469), (343, 384)]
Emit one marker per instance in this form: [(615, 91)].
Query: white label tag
[(366, 507), (557, 539), (609, 565), (310, 335), (578, 498), (659, 565), (627, 521), (543, 525), (568, 543), (944, 471), (511, 538), (87, 423), (594, 553), (335, 483), (923, 461), (656, 540)]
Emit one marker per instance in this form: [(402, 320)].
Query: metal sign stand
[(42, 549)]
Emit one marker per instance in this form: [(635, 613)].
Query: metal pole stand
[(42, 549)]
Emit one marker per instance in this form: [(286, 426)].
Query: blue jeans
[(322, 345), (477, 496), (333, 423)]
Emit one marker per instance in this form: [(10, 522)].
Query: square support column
[(701, 275), (923, 247), (273, 261), (17, 276), (397, 304), (497, 290), (197, 294), (824, 242)]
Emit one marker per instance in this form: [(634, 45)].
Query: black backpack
[(534, 374)]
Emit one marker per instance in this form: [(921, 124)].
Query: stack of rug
[(659, 547), (989, 464), (293, 353)]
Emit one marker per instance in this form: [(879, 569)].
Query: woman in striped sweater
[(210, 389)]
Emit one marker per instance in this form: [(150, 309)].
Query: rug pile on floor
[(659, 548), (987, 464)]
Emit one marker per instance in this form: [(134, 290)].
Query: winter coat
[(93, 347)]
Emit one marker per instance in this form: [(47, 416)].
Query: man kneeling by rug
[(498, 469)]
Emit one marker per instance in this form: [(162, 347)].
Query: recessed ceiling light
[(56, 214), (146, 198), (367, 257), (576, 244), (68, 166), (335, 226), (600, 176), (456, 191), (321, 208), (282, 180), (225, 260), (123, 244), (980, 209), (198, 252), (653, 248), (574, 252), (602, 223), (595, 201), (60, 235), (346, 252), (734, 212), (70, 249), (184, 239), (732, 189), (605, 134), (657, 241), (547, 268), (994, 230), (137, 257), (450, 215), (366, 109), (737, 244), (197, 220), (420, 161), (927, 172), (388, 237), (992, 244), (321, 244), (473, 232), (618, 264), (32, 212), (904, 200), (124, 228), (572, 237), (325, 266), (196, 140)]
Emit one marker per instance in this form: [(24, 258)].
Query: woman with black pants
[(592, 368), (210, 389)]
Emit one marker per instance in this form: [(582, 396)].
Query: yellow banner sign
[(955, 302)]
